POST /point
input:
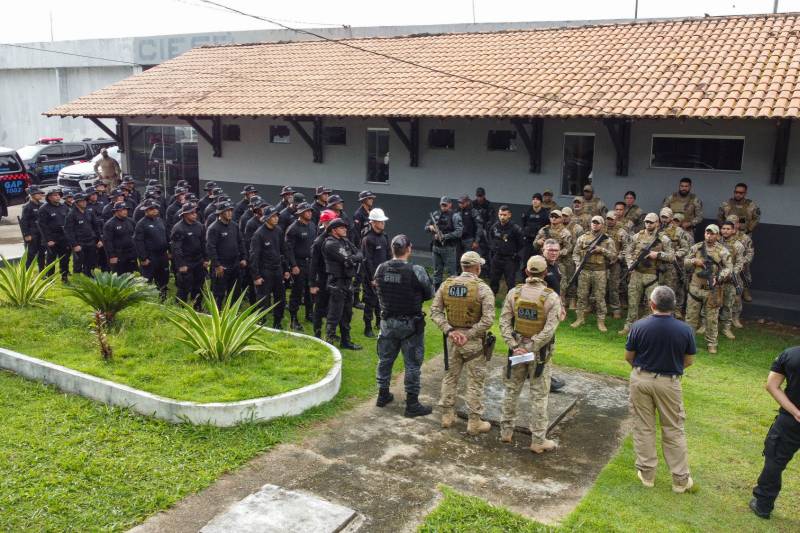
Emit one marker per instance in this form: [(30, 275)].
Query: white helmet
[(377, 215)]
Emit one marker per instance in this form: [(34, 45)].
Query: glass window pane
[(697, 152), (378, 156), (577, 163), (8, 163)]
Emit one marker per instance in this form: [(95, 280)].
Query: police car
[(45, 158), (14, 179), (79, 177)]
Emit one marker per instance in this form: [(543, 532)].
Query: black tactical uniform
[(83, 229), (189, 250), (342, 259), (52, 218), (473, 229), (150, 238), (318, 279), (375, 249), (532, 222), (299, 238), (505, 243), (225, 248), (29, 225), (243, 204), (268, 263), (118, 242)]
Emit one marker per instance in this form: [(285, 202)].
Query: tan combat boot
[(701, 330), (545, 446), (476, 426), (601, 324), (712, 349), (685, 486), (578, 322), (737, 323), (746, 296), (728, 333), (625, 330), (506, 435), (448, 418)]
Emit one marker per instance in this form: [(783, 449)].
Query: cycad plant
[(25, 286), (108, 294), (222, 333)]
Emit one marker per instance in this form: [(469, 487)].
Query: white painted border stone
[(222, 414)]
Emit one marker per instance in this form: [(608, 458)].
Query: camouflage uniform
[(729, 296), (576, 230), (550, 206), (681, 243), (469, 356), (582, 219), (746, 209), (594, 275), (701, 298), (633, 219), (534, 289), (690, 205), (621, 238), (643, 279), (566, 242), (594, 207), (747, 258)]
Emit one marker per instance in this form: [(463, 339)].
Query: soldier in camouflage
[(644, 277), (730, 294), (580, 214), (621, 238), (593, 205), (686, 202), (745, 209), (632, 213), (681, 242), (705, 288), (463, 308), (749, 253), (548, 202), (556, 230), (528, 323), (576, 230), (594, 276)]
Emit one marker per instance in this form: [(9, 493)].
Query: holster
[(488, 346)]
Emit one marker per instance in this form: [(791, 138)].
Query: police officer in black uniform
[(318, 278), (118, 240), (188, 240), (248, 192), (289, 214), (299, 238), (29, 225), (505, 242), (102, 194), (401, 288), (450, 226), (171, 217), (130, 185), (210, 214), (96, 202), (150, 238), (180, 184), (209, 196), (83, 230), (268, 264), (474, 228), (342, 260), (321, 195), (225, 249), (255, 200), (534, 218), (375, 248), (209, 203), (52, 216), (116, 196), (287, 194), (361, 216)]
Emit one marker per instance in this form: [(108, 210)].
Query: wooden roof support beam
[(783, 131), (214, 138), (314, 140), (532, 141), (410, 141), (619, 129), (108, 131)]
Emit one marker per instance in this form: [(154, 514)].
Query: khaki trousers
[(651, 393), (470, 358)]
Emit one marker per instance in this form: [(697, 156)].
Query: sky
[(91, 19)]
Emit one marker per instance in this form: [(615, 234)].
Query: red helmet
[(327, 216)]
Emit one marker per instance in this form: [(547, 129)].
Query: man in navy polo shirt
[(659, 348), (783, 438)]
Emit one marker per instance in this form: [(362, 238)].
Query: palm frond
[(25, 286), (110, 293)]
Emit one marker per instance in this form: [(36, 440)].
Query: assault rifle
[(592, 246), (680, 270), (708, 269), (737, 284), (437, 233), (446, 355), (645, 252)]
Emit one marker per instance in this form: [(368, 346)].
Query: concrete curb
[(222, 414)]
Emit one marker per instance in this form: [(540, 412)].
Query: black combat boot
[(276, 324), (384, 397), (414, 408), (309, 315), (368, 333), (347, 344), (295, 324), (318, 333), (162, 294)]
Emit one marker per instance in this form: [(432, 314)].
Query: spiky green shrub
[(25, 286), (223, 333)]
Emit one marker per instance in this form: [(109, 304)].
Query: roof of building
[(715, 67)]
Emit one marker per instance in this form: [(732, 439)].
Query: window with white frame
[(702, 152)]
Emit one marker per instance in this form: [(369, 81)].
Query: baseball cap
[(713, 228), (666, 212), (651, 217), (472, 258), (555, 213), (732, 218), (444, 200), (536, 264), (598, 219), (578, 199), (588, 188), (566, 211), (611, 216)]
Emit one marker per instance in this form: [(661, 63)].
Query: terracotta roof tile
[(743, 66)]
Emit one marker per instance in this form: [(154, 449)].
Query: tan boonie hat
[(678, 216), (588, 188), (536, 264), (651, 217), (732, 218), (598, 219), (611, 216), (472, 258), (666, 212), (713, 228), (555, 213), (566, 211)]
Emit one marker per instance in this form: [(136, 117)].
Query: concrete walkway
[(387, 467)]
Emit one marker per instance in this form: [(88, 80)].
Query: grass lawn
[(70, 464), (728, 414), (149, 356)]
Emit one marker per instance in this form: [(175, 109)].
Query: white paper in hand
[(524, 358)]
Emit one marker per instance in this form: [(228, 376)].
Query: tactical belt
[(651, 271), (594, 267)]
